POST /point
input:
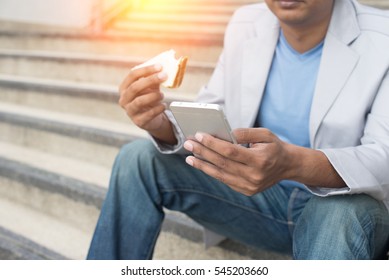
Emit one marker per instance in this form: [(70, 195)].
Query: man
[(306, 85)]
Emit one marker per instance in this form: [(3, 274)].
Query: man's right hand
[(142, 99)]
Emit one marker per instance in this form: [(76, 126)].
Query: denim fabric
[(287, 220)]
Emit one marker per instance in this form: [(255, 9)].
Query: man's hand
[(266, 161), (141, 98), (247, 170)]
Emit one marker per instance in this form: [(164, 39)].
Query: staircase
[(61, 127)]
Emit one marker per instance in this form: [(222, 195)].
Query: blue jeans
[(285, 220)]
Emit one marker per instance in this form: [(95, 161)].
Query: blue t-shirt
[(286, 103)]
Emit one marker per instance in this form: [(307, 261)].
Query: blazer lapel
[(337, 63), (257, 58)]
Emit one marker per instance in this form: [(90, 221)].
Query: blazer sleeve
[(171, 149), (365, 168)]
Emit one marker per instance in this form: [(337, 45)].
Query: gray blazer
[(349, 118)]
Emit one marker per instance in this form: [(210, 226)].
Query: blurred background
[(60, 126)]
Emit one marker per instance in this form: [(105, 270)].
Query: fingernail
[(162, 76), (188, 146), (199, 137), (158, 67), (189, 161)]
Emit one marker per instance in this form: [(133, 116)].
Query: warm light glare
[(153, 2), (106, 12), (151, 5)]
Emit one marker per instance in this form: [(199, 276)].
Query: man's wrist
[(312, 167), (294, 161), (165, 132)]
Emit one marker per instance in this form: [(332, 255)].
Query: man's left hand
[(250, 170)]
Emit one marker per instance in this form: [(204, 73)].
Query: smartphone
[(202, 117)]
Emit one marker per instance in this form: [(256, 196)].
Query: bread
[(174, 68)]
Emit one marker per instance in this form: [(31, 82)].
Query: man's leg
[(130, 214), (342, 227), (144, 181)]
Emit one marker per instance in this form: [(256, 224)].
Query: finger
[(141, 87), (253, 135), (213, 157), (236, 169), (153, 81), (224, 148), (143, 102), (239, 184), (136, 74), (142, 119)]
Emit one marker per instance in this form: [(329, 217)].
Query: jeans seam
[(365, 225), (154, 241), (292, 198), (226, 201)]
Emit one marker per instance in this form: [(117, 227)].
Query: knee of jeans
[(135, 156), (137, 149), (344, 207), (336, 223)]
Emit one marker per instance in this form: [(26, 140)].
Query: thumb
[(253, 135)]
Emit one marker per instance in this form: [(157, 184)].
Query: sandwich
[(174, 68)]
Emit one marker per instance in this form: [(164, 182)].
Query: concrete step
[(44, 182), (16, 247), (164, 23), (23, 161), (113, 42), (192, 18), (44, 230), (217, 3), (46, 200), (83, 99), (179, 19), (79, 137), (96, 69), (160, 30), (188, 9), (186, 24), (192, 7)]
